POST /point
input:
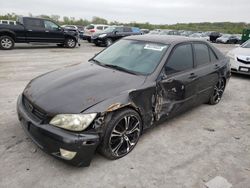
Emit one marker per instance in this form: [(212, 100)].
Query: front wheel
[(108, 42), (6, 43), (218, 92), (122, 134), (70, 43)]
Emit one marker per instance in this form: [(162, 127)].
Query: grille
[(33, 110), (243, 61)]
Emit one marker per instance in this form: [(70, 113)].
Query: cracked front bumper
[(51, 139)]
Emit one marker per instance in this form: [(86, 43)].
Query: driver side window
[(50, 25), (180, 60)]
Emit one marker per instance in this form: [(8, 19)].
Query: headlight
[(102, 35), (73, 122)]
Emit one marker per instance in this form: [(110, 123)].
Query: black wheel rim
[(124, 135), (218, 90)]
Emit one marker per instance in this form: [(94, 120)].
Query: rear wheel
[(122, 134), (218, 92), (70, 43), (6, 43)]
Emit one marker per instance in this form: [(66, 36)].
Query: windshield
[(246, 44), (138, 57)]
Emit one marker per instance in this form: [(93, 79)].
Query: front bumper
[(238, 67), (98, 41), (51, 139)]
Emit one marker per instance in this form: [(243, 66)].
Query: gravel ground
[(185, 152)]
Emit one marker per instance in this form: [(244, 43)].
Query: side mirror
[(115, 32)]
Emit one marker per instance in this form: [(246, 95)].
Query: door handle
[(29, 30), (192, 76), (47, 31)]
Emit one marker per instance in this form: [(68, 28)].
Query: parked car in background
[(240, 58), (136, 30), (145, 31), (228, 39), (77, 28), (112, 34), (213, 36), (10, 22), (92, 29), (110, 100), (29, 29), (202, 35)]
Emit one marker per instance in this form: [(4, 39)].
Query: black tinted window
[(180, 60), (34, 23), (201, 54), (99, 27), (212, 56), (127, 29)]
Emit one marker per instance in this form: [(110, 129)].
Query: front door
[(53, 32), (177, 88)]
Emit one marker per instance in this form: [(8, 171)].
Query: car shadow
[(241, 76)]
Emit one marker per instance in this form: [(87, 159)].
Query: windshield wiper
[(112, 66), (97, 62), (119, 68)]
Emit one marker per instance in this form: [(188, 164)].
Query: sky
[(153, 11)]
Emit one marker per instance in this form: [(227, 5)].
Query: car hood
[(240, 51), (76, 88)]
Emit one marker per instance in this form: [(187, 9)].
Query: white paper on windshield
[(154, 47)]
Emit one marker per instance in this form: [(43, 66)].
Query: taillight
[(92, 30)]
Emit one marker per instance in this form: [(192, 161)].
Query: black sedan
[(109, 101)]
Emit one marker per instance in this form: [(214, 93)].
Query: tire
[(89, 40), (108, 42), (119, 140), (70, 43), (218, 92), (6, 43)]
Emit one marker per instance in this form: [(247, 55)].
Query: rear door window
[(127, 29), (201, 54), (99, 27), (180, 60), (34, 23)]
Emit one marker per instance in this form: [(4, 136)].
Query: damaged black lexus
[(109, 101)]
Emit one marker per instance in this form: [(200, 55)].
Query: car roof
[(162, 39)]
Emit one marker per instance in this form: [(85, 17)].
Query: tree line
[(224, 27)]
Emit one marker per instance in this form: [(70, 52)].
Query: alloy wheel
[(109, 42), (6, 43), (71, 43), (124, 135), (218, 90)]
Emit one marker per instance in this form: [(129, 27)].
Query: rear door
[(177, 90), (206, 67), (35, 30), (53, 32), (128, 31)]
